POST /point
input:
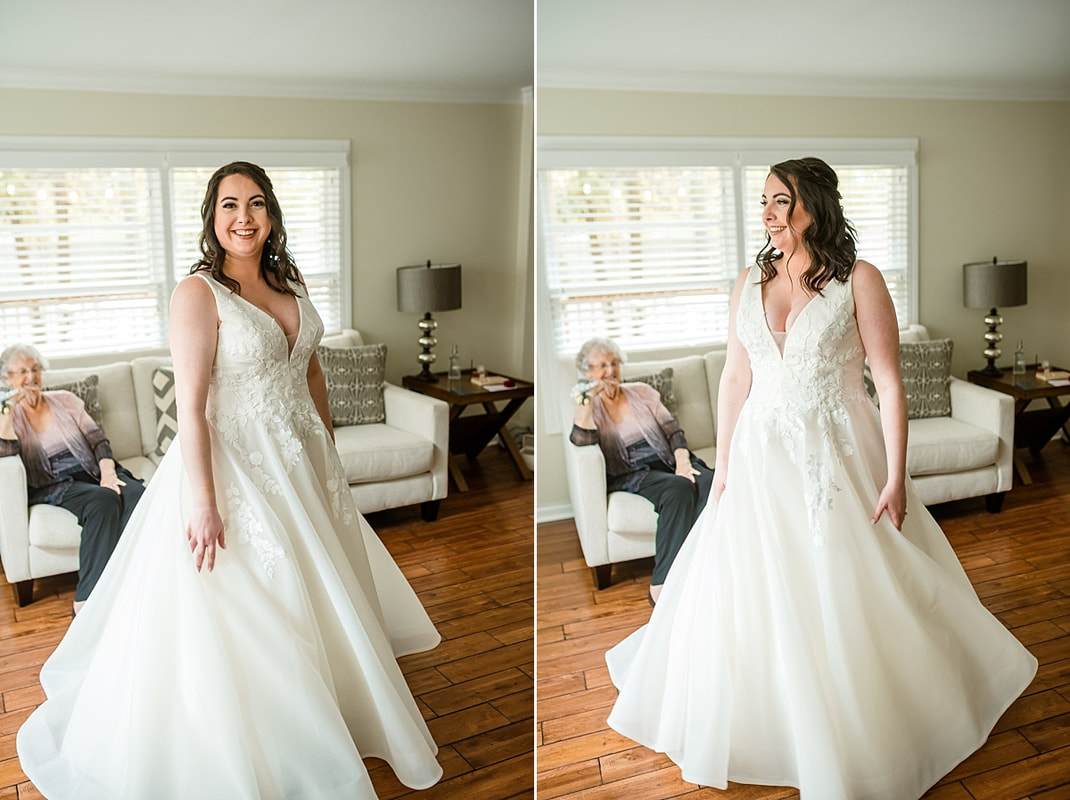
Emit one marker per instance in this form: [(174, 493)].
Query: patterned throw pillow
[(86, 391), (163, 396), (355, 380), (926, 368), (662, 381)]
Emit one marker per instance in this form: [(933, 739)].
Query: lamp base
[(425, 375), (992, 370)]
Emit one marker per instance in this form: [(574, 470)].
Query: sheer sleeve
[(581, 437)]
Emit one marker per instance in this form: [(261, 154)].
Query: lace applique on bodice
[(801, 396), (259, 403)]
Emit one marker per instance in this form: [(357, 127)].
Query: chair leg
[(23, 592), (602, 574), (429, 510), (994, 502)]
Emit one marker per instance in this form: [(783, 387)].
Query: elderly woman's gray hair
[(598, 344), (17, 351)]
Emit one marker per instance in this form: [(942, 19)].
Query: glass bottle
[(1019, 359), (455, 365)]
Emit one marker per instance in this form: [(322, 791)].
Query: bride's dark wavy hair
[(276, 261), (830, 240)]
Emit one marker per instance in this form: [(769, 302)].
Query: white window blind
[(80, 249), (640, 255), (95, 234)]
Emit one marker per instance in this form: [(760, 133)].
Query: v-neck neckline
[(787, 333), (278, 325)]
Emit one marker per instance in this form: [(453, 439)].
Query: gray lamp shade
[(992, 284), (429, 287)]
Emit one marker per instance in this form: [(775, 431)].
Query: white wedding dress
[(271, 677), (795, 643)]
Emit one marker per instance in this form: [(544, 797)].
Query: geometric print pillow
[(662, 381), (926, 368), (355, 380), (163, 396), (85, 390)]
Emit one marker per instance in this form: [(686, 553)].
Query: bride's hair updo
[(276, 262), (830, 238)]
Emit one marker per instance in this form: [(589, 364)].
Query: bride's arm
[(732, 391), (317, 387), (879, 329), (193, 332)]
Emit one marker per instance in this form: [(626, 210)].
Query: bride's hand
[(718, 483), (205, 532), (893, 499)]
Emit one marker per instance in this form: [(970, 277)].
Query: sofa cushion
[(926, 368), (163, 397), (662, 381), (630, 514), (355, 380), (944, 444), (379, 452), (86, 390)]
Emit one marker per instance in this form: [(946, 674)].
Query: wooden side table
[(470, 434), (1032, 429)]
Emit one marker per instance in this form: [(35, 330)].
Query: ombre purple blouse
[(81, 434), (661, 434)]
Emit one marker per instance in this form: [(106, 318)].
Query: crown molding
[(281, 88), (801, 87)]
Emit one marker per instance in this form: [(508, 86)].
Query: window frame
[(165, 154), (738, 153)]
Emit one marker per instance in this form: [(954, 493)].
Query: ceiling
[(428, 50), (983, 49)]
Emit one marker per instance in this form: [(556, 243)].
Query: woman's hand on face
[(205, 532), (893, 499), (30, 395)]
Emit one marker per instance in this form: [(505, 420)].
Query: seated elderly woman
[(645, 449), (68, 461)]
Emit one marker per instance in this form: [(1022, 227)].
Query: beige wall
[(429, 180), (992, 182)]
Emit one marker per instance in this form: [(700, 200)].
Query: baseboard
[(553, 513)]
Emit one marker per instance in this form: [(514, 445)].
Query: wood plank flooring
[(1018, 561), (472, 569)]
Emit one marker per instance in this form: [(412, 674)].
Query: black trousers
[(102, 514), (678, 502)]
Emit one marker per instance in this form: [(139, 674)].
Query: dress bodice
[(801, 397), (259, 383), (821, 365)]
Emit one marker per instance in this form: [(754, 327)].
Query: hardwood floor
[(1018, 561), (472, 571)]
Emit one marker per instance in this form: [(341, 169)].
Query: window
[(95, 234), (642, 239)]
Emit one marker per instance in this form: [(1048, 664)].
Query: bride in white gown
[(264, 669), (802, 639)]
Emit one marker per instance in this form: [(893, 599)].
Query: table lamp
[(988, 285), (424, 288)]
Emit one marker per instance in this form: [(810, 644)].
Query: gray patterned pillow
[(355, 380), (662, 381), (163, 396), (86, 391), (926, 368)]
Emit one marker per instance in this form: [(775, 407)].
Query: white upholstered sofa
[(966, 454), (399, 462)]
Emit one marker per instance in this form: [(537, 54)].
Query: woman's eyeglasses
[(23, 372)]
